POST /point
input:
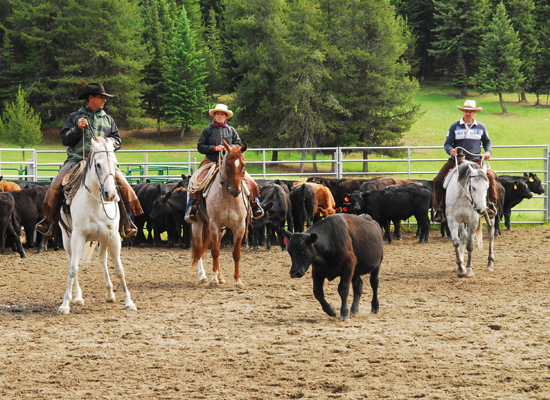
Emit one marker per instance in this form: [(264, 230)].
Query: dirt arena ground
[(436, 336)]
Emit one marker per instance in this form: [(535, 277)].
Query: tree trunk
[(158, 126), (365, 163), (274, 157), (314, 163), (464, 91), (504, 111), (547, 100), (182, 132), (523, 96), (302, 164), (538, 100)]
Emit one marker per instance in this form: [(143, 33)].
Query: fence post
[(547, 169), (146, 166), (263, 165), (35, 165)]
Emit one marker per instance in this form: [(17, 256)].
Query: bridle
[(225, 181), (101, 200)]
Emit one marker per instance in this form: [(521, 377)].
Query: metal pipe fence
[(406, 162)]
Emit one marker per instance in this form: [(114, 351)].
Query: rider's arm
[(203, 145), (486, 142), (450, 140), (70, 133)]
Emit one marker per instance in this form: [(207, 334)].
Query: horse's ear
[(225, 145), (1, 177), (244, 147)]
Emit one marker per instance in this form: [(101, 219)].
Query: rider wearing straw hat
[(90, 122), (468, 134), (210, 144)]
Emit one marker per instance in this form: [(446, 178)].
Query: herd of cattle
[(295, 205)]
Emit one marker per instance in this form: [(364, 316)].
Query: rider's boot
[(191, 211), (257, 210), (45, 227), (439, 216), (127, 227)]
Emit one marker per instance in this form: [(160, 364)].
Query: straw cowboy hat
[(222, 108), (470, 105), (93, 88)]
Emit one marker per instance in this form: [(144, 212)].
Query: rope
[(472, 154), (71, 181), (195, 186)]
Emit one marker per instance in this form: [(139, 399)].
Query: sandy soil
[(436, 336)]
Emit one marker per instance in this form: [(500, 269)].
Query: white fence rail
[(407, 162)]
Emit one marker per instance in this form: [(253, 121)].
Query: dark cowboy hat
[(93, 88)]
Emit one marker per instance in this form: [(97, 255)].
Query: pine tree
[(155, 36), (8, 85), (184, 76), (500, 57), (459, 26), (539, 81), (369, 77), (20, 124), (214, 56), (61, 46)]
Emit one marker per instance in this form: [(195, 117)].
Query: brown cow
[(8, 186), (325, 201)]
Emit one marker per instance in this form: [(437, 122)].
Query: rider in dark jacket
[(210, 144)]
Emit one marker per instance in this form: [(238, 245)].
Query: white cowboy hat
[(470, 105), (222, 108)]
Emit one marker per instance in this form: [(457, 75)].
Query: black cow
[(396, 202), (275, 204), (8, 223), (515, 191), (170, 208), (147, 193), (304, 203), (341, 245), (29, 210)]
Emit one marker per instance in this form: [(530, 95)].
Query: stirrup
[(257, 211), (128, 231), (439, 216), (41, 227), (491, 210), (191, 216)]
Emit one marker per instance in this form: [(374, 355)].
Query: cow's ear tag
[(345, 209), (346, 199), (286, 241), (515, 187), (531, 180), (322, 214)]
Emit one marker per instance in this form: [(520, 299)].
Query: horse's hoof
[(80, 301), (461, 272), (221, 280), (239, 285), (490, 269), (214, 283), (470, 273), (63, 310), (131, 307), (202, 281)]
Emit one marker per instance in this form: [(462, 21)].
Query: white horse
[(94, 216), (226, 207), (465, 204)]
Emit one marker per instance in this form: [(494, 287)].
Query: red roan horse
[(227, 206)]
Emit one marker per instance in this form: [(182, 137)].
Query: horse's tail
[(88, 251), (479, 233)]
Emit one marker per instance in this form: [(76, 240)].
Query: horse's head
[(233, 167), (475, 184), (101, 167)]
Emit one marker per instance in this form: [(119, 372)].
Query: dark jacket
[(102, 125), (212, 136)]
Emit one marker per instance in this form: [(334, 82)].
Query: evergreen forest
[(298, 73)]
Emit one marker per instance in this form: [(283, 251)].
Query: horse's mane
[(88, 165), (464, 172)]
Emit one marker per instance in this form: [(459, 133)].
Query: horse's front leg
[(215, 251), (76, 247), (109, 294), (198, 248), (454, 227), (237, 239), (114, 250), (470, 247), (491, 237)]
